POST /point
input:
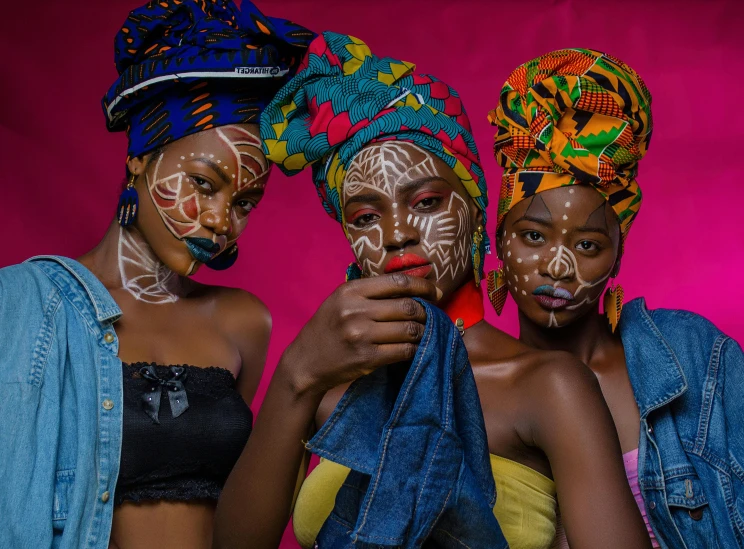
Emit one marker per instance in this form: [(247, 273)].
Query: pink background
[(60, 170)]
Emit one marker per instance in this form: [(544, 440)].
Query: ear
[(136, 165), (616, 268), (478, 219), (499, 243)]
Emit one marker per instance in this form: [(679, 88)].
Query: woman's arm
[(574, 428), (365, 324)]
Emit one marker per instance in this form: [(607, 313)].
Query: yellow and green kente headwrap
[(573, 117)]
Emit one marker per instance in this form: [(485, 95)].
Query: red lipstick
[(410, 264)]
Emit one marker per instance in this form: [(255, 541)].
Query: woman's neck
[(123, 260), (587, 338)]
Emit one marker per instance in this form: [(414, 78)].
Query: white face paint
[(143, 275), (562, 264), (384, 169)]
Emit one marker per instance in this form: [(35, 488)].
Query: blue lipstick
[(201, 249)]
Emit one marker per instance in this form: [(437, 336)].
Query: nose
[(401, 230), (563, 265), (217, 217)]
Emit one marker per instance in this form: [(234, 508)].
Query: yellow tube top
[(525, 503)]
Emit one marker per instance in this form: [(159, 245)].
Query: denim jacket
[(688, 380), (60, 406), (414, 437)]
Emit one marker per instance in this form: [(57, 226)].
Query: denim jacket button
[(105, 497), (696, 514), (650, 430), (652, 505), (108, 404), (109, 337)]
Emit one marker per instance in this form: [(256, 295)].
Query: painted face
[(202, 188), (559, 248), (406, 210)]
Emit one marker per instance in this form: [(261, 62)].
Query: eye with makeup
[(427, 201), (364, 218)]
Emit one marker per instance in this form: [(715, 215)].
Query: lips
[(552, 298), (410, 264), (202, 249)]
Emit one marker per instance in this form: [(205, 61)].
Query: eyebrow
[(216, 167), (601, 230), (369, 197), (414, 184), (533, 219), (406, 187)]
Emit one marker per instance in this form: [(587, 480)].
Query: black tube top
[(184, 448)]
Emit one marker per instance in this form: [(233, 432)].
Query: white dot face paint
[(198, 201), (553, 215), (443, 234)]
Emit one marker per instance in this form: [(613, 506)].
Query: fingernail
[(439, 294)]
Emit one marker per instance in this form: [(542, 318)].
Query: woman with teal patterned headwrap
[(394, 162)]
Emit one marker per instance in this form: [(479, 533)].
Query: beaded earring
[(478, 251), (353, 272), (613, 306), (126, 212), (497, 289)]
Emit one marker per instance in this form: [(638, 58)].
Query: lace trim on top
[(211, 381)]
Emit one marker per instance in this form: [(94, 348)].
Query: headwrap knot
[(344, 98), (188, 65), (573, 116)]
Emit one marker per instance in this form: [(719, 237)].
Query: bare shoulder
[(236, 310), (530, 377)]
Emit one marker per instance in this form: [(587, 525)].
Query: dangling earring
[(225, 260), (353, 272), (126, 212), (497, 290), (477, 252), (613, 306)]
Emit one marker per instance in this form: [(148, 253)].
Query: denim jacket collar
[(644, 345), (106, 309)]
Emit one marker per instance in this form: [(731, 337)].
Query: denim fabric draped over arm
[(414, 438)]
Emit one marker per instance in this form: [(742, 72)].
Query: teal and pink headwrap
[(191, 65), (344, 97)]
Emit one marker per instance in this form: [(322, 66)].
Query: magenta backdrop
[(60, 170)]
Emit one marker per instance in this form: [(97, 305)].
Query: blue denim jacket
[(688, 380), (415, 440), (60, 406)]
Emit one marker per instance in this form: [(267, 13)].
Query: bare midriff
[(163, 524)]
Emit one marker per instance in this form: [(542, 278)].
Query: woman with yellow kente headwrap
[(395, 163), (572, 127)]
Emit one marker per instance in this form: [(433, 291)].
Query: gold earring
[(477, 254), (613, 306), (497, 290)]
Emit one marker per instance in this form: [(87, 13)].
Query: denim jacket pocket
[(690, 512), (63, 483)]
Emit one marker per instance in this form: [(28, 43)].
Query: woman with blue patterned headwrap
[(394, 162), (122, 435)]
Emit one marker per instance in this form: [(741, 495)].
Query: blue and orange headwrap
[(344, 98), (187, 65)]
